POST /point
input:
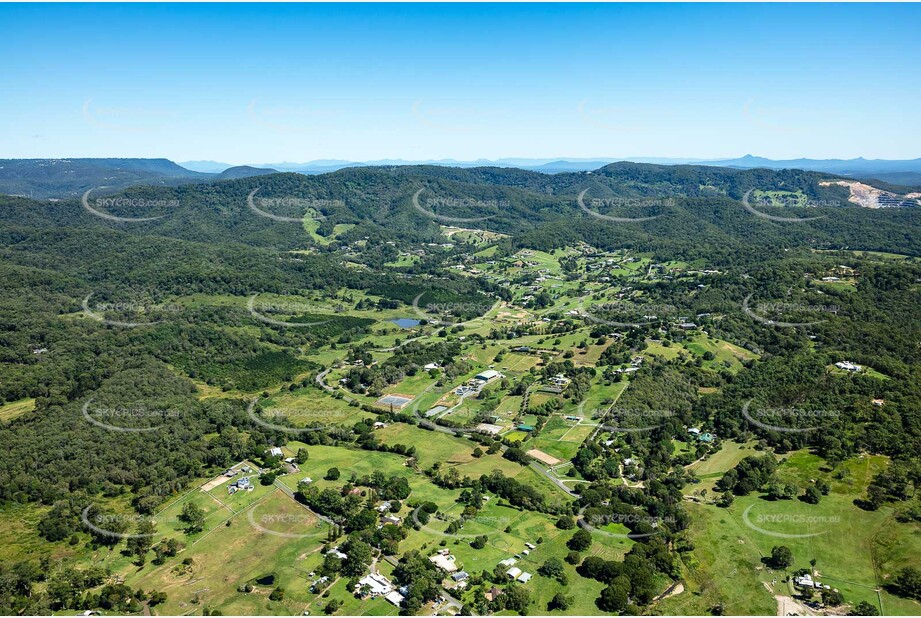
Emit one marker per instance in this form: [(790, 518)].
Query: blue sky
[(244, 83)]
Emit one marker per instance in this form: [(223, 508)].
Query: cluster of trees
[(43, 587), (633, 582), (751, 474)]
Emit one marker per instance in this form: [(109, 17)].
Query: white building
[(488, 375), (377, 584), (848, 366)]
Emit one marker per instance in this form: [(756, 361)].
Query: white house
[(848, 366), (377, 584)]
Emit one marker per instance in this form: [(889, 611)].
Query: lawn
[(283, 543), (710, 470), (12, 409), (855, 550), (726, 355)]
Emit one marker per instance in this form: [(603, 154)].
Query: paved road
[(399, 345), (321, 381), (546, 472)]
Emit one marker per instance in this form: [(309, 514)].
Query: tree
[(516, 598), (908, 583), (141, 543), (725, 500), (614, 599), (580, 541), (781, 557), (277, 595), (358, 557), (566, 522), (574, 557), (832, 598), (479, 542), (193, 516), (332, 607), (864, 609), (302, 456), (332, 474), (554, 569), (559, 601), (812, 495)]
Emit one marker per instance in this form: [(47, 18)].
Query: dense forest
[(70, 281)]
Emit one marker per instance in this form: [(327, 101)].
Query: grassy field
[(12, 409), (726, 355), (282, 545), (710, 470), (855, 551)]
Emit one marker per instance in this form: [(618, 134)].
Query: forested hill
[(68, 178), (693, 206)]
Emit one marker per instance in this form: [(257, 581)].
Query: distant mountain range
[(846, 167), (551, 166), (63, 178)]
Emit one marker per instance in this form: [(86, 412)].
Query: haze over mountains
[(71, 177), (847, 167)]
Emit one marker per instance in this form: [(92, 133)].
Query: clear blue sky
[(269, 83)]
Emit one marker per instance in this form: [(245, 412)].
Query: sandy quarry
[(863, 194)]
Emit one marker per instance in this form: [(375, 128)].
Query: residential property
[(377, 584), (489, 429), (394, 597), (444, 561), (275, 451), (493, 593), (848, 366)]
